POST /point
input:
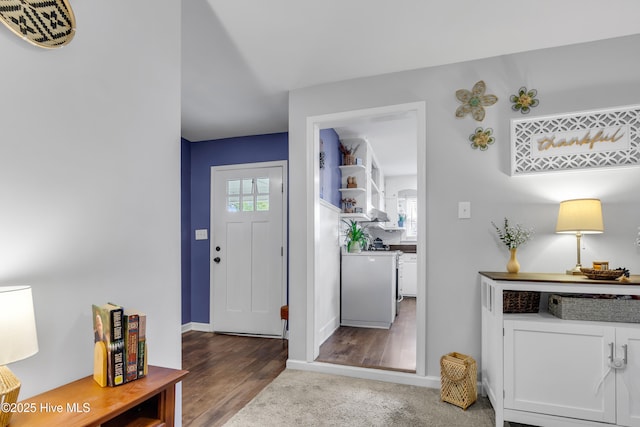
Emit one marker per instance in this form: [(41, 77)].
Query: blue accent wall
[(204, 155), (330, 176), (185, 210)]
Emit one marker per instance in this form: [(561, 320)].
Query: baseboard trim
[(365, 373), (195, 326)]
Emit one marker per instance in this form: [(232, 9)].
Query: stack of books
[(120, 345)]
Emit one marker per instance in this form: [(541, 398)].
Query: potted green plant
[(356, 236)]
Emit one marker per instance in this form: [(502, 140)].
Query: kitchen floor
[(392, 349)]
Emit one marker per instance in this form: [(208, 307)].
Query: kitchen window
[(408, 206)]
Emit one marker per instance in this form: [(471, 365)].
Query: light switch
[(202, 234), (464, 210)]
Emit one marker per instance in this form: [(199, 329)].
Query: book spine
[(142, 346), (131, 345), (117, 359)]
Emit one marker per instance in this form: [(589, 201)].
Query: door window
[(248, 195)]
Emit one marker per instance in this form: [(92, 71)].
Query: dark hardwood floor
[(392, 349), (225, 373)]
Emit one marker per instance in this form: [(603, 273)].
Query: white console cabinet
[(541, 370)]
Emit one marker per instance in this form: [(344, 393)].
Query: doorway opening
[(347, 120)]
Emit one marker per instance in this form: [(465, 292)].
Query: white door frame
[(285, 225), (314, 124)]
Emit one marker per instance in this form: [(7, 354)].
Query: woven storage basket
[(520, 301), (458, 373)]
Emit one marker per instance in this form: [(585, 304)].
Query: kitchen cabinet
[(408, 275), (541, 370), (368, 191)]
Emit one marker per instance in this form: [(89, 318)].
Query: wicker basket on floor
[(458, 376)]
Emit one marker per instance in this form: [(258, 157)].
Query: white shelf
[(355, 216), (353, 168), (367, 178)]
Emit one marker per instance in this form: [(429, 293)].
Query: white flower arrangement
[(513, 236)]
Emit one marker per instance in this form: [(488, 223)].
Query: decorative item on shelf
[(625, 271), (579, 216), (524, 100), (348, 205), (401, 219), (352, 182), (625, 275), (513, 237), (322, 155), (348, 154), (47, 24), (18, 340), (474, 101), (520, 301), (592, 273), (482, 138), (120, 345), (600, 265), (356, 236)]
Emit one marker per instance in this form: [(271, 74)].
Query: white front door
[(247, 248)]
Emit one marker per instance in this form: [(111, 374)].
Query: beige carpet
[(301, 398)]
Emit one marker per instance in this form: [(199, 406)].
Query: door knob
[(216, 260)]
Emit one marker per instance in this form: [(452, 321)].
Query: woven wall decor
[(44, 23)]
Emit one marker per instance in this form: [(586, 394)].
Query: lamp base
[(9, 389), (575, 271)]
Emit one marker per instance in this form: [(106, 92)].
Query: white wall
[(574, 78), (328, 301), (89, 181)]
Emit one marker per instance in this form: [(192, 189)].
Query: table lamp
[(579, 216), (18, 340)]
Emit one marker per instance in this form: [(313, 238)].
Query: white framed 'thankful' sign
[(581, 140)]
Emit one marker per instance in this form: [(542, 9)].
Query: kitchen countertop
[(371, 253), (406, 248)]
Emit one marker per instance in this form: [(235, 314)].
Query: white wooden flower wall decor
[(474, 101), (44, 23)]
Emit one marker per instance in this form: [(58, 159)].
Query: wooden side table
[(146, 402)]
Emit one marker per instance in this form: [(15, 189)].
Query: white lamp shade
[(18, 338), (580, 216)]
